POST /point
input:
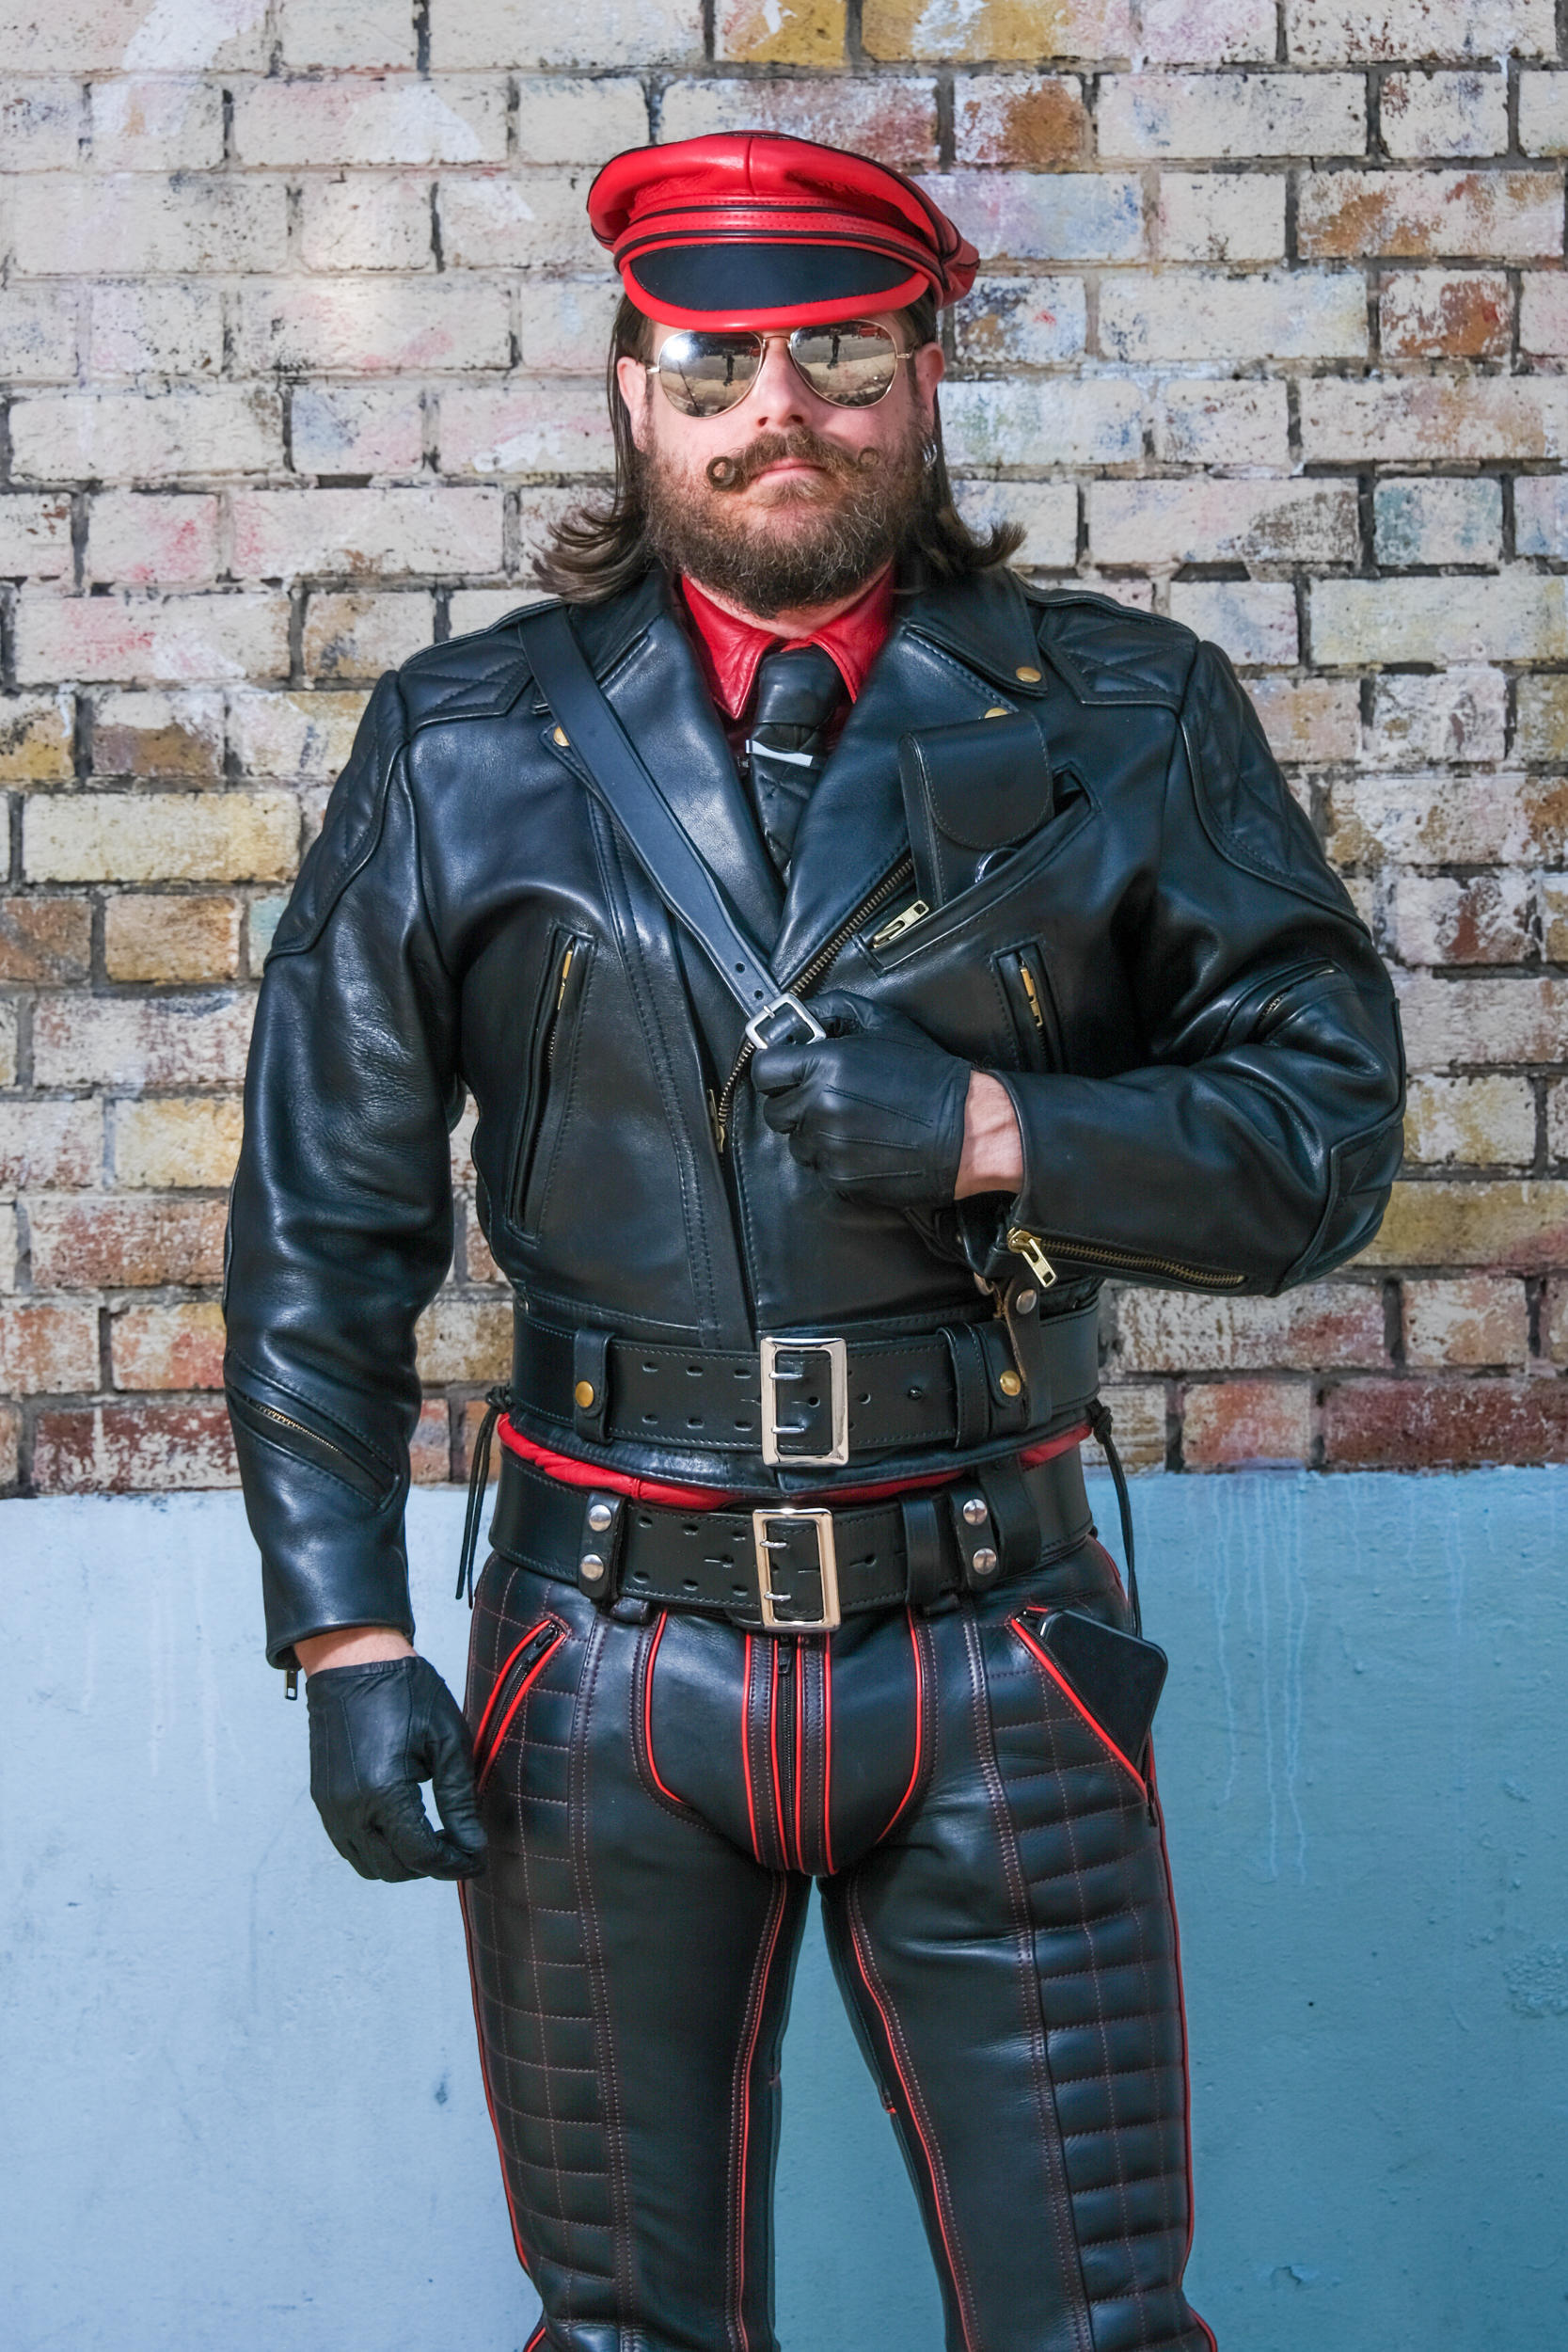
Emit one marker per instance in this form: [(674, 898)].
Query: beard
[(816, 539)]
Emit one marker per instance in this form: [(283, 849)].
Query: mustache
[(737, 469)]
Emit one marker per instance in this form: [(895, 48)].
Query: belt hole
[(694, 1420), (650, 1367), (650, 1421), (693, 1372), (643, 1519), (743, 1424), (865, 1399), (914, 1392), (689, 1582)]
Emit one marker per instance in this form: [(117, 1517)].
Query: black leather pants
[(659, 1795)]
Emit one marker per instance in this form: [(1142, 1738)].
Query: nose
[(780, 396)]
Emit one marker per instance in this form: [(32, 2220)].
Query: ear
[(927, 366), (635, 384)]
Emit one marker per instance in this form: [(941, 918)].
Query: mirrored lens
[(703, 375), (851, 365)]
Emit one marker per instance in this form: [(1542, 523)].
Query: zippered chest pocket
[(552, 1069)]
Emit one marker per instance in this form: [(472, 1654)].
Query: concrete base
[(242, 2105)]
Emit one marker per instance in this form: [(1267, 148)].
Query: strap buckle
[(819, 1372), (786, 1010), (802, 1552)]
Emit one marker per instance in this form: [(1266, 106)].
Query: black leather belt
[(809, 1401), (791, 1570)]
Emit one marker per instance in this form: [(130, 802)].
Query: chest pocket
[(554, 1050)]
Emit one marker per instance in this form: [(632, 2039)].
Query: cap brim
[(723, 284)]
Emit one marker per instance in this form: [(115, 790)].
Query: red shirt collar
[(729, 649)]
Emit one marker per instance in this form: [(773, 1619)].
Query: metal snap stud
[(984, 1563), (591, 1567), (1009, 1384), (1030, 677), (599, 1516), (583, 1394), (1025, 1302), (974, 1510)]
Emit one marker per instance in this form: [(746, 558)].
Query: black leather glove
[(376, 1731), (876, 1107)]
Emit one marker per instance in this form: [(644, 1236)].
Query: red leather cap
[(745, 229)]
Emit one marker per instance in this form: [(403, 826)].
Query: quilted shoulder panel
[(478, 676), (1112, 653)]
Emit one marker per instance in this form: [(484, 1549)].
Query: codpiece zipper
[(722, 1105)]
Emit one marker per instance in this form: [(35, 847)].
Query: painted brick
[(114, 36), (356, 32), (134, 1449), (1518, 617), (138, 538), (1540, 515), (569, 120), (1155, 524), (37, 336), (1444, 114), (599, 34), (501, 220), (120, 437), (40, 124), (301, 735), (1515, 216), (339, 123), (178, 737), (1445, 314), (464, 1339), (125, 1041), (1021, 121), (1193, 115), (35, 732), (1021, 322), (130, 223), (1443, 820), (1217, 216), (141, 125), (1452, 715), (50, 1143), (184, 836), (1228, 1425), (166, 1347), (1255, 621), (47, 1349), (172, 939), (1208, 32), (105, 1242), (1308, 719), (8, 1078), (368, 221), (1337, 32), (1544, 113), (1445, 1424), (164, 1144), (1045, 217), (1449, 1022), (779, 32), (262, 919), (158, 638), (1138, 1415), (1471, 1122), (1439, 522), (542, 424), (46, 941), (1000, 29), (1204, 423), (1434, 918), (1325, 1323), (430, 1448), (372, 327), (1199, 314), (1047, 510), (1543, 709), (284, 533), (891, 118), (356, 428), (157, 327), (357, 637), (1520, 1225), (1544, 313), (1554, 917), (1096, 422), (1481, 1320), (564, 323)]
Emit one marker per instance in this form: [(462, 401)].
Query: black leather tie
[(797, 696)]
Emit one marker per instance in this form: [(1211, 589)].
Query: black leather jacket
[(1194, 1025)]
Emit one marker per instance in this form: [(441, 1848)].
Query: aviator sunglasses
[(704, 372)]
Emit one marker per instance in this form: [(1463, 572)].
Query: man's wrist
[(351, 1645), (993, 1147)]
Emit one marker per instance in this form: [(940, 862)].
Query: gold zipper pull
[(565, 971), (1029, 990), (716, 1121), (915, 914), (1030, 1248)]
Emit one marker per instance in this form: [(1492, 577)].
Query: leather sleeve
[(1257, 1146), (340, 1216)]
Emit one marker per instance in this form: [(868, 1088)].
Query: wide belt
[(793, 1570), (810, 1400)]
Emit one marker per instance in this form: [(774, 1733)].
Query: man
[(793, 1574)]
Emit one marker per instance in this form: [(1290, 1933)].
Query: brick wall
[(301, 328)]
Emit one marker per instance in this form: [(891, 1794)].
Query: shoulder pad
[(1112, 653), (351, 828), (477, 676)]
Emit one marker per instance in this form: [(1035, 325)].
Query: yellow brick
[(1522, 1226), (991, 31), (34, 739), (1137, 1427), (172, 939), (780, 32), (167, 836), (1477, 1121), (464, 1339), (176, 1142), (1554, 917)]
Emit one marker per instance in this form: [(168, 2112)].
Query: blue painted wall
[(240, 2100)]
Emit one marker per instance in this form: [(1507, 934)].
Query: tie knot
[(802, 688)]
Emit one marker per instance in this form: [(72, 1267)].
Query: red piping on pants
[(778, 1910), (527, 1682), (746, 1751), (800, 1750), (773, 1750), (485, 2078), (648, 1710), (532, 1635), (1181, 2011), (826, 1756), (919, 1724), (1069, 1693)]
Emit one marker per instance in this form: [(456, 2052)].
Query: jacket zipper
[(354, 1474), (722, 1105), (1031, 1248), (1298, 981), (527, 1157)]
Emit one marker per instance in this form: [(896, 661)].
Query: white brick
[(184, 836), (1255, 621), (35, 536), (521, 34), (1208, 32), (894, 119), (367, 221), (565, 323), (508, 220), (138, 540), (120, 437), (1200, 315), (1446, 821), (475, 608), (174, 638), (1431, 417), (1435, 918), (358, 33), (539, 510), (401, 120), (359, 636), (1421, 720), (1216, 216), (356, 428), (156, 734), (1541, 513), (1193, 115), (1047, 510), (127, 35), (1161, 524), (1045, 217), (1544, 113), (40, 124), (1516, 616), (1098, 421), (301, 736), (1199, 422), (157, 126), (1444, 114), (1544, 312), (128, 224), (544, 424), (1021, 322), (38, 335), (1339, 32), (1428, 521), (1483, 1121), (157, 328), (283, 533), (116, 1041), (371, 326), (564, 119)]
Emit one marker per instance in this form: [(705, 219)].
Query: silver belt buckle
[(831, 1372), (786, 1010), (824, 1567)]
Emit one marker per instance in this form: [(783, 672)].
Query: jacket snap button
[(599, 1516), (1009, 1384), (1030, 677), (583, 1394), (560, 737), (1025, 1303), (974, 1510)]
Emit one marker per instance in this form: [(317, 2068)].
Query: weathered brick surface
[(302, 332)]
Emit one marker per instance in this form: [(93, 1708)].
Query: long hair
[(601, 547)]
